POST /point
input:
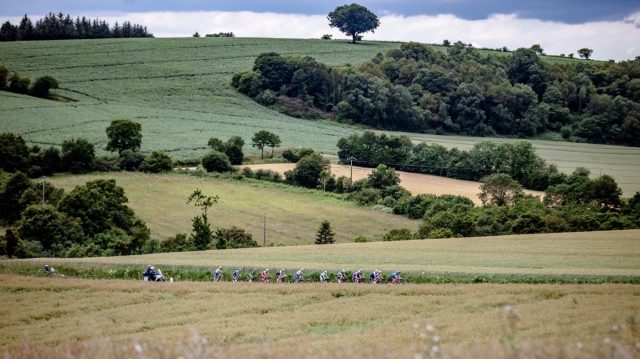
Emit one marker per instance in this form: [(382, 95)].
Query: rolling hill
[(179, 90)]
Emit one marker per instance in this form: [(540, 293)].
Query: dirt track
[(414, 182)]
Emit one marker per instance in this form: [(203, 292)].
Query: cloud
[(609, 39)]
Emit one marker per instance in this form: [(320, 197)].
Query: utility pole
[(264, 231), (351, 159)]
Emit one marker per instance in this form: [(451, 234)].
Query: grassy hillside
[(178, 89), (588, 253), (96, 317), (293, 214)]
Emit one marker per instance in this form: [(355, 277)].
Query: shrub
[(157, 162), (402, 234), (177, 243), (234, 237), (361, 239), (441, 233), (130, 160), (42, 86), (216, 161), (78, 155), (366, 196)]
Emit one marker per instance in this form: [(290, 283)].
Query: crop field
[(179, 90), (104, 319), (610, 253), (623, 163), (416, 183), (293, 215)]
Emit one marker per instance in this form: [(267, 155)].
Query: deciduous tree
[(353, 20)]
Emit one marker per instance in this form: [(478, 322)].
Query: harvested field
[(415, 183)]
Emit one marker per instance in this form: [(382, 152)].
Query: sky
[(611, 28)]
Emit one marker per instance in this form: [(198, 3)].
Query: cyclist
[(236, 275), (217, 276), (298, 278), (264, 276), (324, 277), (280, 275), (341, 276)]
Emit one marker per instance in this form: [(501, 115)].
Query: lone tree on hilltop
[(124, 135), (537, 49), (585, 53), (325, 234), (353, 20)]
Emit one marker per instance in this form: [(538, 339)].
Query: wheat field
[(244, 317)]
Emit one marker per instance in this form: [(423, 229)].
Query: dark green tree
[(325, 234), (216, 161), (4, 77), (383, 177), (10, 194), (353, 20), (10, 243), (14, 154), (78, 155), (51, 228), (201, 234), (233, 149), (234, 237), (499, 190), (124, 135), (585, 53), (130, 160), (43, 85), (99, 206), (157, 162), (19, 84), (261, 139), (274, 141), (308, 170)]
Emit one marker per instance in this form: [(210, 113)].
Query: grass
[(293, 215), (286, 319), (178, 89), (613, 253)]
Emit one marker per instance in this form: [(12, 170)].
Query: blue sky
[(568, 11)]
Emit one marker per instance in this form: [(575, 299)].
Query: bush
[(402, 234), (441, 233), (157, 162), (19, 84), (177, 243), (294, 155), (42, 86), (106, 164), (366, 196), (130, 160), (361, 239), (234, 237), (78, 155), (216, 161), (308, 171)]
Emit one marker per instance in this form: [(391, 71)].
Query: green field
[(179, 90), (293, 214)]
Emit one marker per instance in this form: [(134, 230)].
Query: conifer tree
[(325, 234)]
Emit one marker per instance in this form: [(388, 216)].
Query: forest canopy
[(416, 88)]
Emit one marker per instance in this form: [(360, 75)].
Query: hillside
[(293, 215), (179, 90)]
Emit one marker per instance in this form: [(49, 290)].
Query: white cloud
[(609, 39)]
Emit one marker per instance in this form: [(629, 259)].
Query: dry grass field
[(415, 183), (585, 253), (138, 318), (293, 214)]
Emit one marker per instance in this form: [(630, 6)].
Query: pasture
[(610, 253), (293, 214), (179, 90), (105, 319)]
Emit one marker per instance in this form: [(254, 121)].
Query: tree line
[(518, 159), (459, 91), (61, 27)]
